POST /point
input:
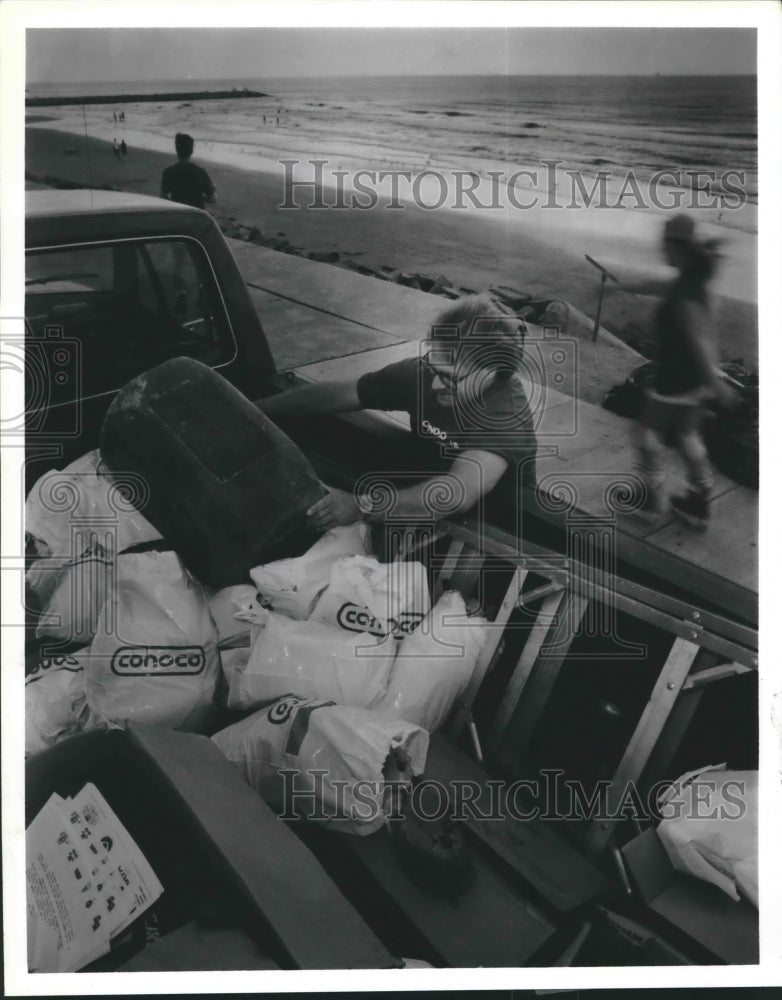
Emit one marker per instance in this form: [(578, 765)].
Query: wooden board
[(532, 849), (489, 925), (727, 929), (199, 948), (312, 921)]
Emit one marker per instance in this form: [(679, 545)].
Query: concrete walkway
[(327, 323)]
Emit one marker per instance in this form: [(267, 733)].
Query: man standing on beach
[(184, 181), (462, 394)]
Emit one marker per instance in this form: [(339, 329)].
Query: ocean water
[(481, 123)]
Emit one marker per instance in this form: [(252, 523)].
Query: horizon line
[(372, 76)]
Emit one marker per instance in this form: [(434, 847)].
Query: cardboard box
[(220, 852), (725, 928)]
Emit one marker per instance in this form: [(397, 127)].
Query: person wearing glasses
[(463, 395)]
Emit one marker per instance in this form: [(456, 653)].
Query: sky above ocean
[(79, 55)]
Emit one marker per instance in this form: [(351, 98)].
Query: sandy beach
[(538, 250)]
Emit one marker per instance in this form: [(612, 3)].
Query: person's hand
[(336, 508)]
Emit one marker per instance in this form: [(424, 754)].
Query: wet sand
[(539, 254)]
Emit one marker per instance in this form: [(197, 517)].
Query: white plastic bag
[(710, 828), (311, 660), (55, 702), (72, 593), (365, 595), (154, 658), (434, 665), (233, 658), (293, 585), (338, 761), (78, 521), (224, 606), (65, 504)]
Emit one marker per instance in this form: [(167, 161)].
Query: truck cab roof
[(81, 201), (83, 214)]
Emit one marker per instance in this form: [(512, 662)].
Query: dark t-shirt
[(500, 421), (678, 371), (187, 183)]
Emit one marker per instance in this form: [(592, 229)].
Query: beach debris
[(514, 298), (436, 286), (409, 280), (557, 314), (731, 437), (283, 246), (441, 286), (361, 269), (324, 257)]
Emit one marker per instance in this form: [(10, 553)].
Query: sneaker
[(652, 509), (692, 508)]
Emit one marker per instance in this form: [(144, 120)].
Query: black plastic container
[(226, 488)]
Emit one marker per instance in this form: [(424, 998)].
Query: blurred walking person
[(688, 376), (123, 149)]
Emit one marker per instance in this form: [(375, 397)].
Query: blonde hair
[(494, 334)]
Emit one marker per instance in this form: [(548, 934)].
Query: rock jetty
[(199, 95)]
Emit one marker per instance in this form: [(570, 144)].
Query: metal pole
[(603, 278)]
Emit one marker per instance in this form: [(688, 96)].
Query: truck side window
[(125, 307)]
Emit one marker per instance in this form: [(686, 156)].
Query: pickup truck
[(117, 283)]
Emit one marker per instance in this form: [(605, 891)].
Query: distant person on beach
[(115, 117), (463, 396), (184, 181), (116, 150), (688, 376), (123, 149)]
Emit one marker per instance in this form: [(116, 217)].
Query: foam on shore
[(624, 239)]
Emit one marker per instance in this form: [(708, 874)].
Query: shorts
[(674, 416)]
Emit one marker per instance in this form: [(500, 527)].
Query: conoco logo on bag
[(281, 710), (357, 619), (52, 663), (145, 661), (301, 709)]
